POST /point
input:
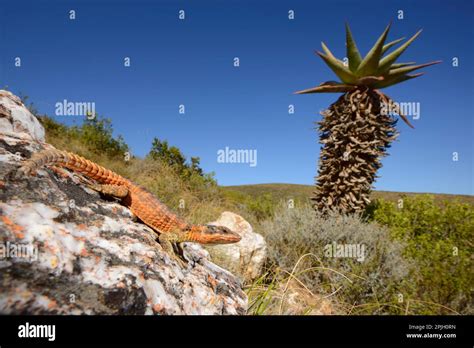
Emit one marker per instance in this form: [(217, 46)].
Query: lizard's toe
[(179, 261), (20, 173)]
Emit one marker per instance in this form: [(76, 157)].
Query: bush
[(98, 134), (439, 241), (254, 208), (95, 134), (297, 240), (261, 207), (173, 157)]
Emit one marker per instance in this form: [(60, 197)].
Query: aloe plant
[(356, 131)]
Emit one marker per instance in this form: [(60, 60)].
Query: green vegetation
[(257, 207), (439, 241), (172, 156), (301, 193), (97, 133)]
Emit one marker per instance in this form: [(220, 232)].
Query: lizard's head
[(212, 234)]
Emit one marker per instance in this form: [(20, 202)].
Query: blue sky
[(190, 62)]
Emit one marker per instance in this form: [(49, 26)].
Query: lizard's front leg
[(167, 240)]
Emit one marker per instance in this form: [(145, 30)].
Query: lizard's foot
[(179, 260), (22, 172), (134, 217), (80, 179), (166, 241), (63, 173)]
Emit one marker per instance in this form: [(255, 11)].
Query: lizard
[(172, 229)]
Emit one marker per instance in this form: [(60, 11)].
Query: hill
[(302, 192)]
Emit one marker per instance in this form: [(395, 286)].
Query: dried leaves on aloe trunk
[(355, 136)]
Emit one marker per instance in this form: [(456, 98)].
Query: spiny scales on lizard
[(141, 203)]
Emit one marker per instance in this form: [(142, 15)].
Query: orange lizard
[(172, 230)]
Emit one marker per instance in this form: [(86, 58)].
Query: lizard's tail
[(71, 161)]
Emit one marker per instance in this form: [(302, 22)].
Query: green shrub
[(254, 208), (173, 157), (95, 134), (98, 134), (368, 286), (53, 128), (261, 207), (439, 241)]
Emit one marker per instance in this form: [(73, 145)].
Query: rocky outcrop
[(245, 258), (66, 250), (16, 121)]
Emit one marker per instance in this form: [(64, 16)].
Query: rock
[(16, 120), (65, 250), (296, 299), (245, 258)]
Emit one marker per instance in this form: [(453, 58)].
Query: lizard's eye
[(223, 234)]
